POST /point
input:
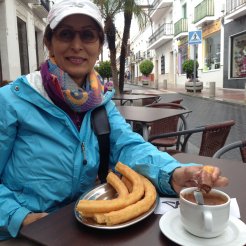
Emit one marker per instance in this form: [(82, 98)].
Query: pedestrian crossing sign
[(195, 37)]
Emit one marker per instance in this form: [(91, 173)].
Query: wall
[(232, 28), (9, 46)]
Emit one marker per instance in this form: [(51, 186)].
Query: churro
[(206, 182), (104, 206), (133, 210), (121, 190)]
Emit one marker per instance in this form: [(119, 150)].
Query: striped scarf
[(77, 98)]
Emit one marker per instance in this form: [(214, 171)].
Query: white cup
[(205, 221)]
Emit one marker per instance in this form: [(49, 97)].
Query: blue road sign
[(195, 37)]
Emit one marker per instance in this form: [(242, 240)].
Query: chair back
[(177, 101), (214, 137), (243, 151), (171, 124), (241, 145), (150, 101)]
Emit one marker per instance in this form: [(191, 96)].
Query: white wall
[(9, 40), (9, 45)]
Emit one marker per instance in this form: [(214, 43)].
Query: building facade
[(234, 74), (22, 24), (223, 42)]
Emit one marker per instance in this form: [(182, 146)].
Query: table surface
[(148, 92), (61, 228), (132, 96), (148, 114)]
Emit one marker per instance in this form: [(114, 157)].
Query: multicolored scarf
[(63, 86)]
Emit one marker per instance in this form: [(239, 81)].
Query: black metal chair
[(241, 145)]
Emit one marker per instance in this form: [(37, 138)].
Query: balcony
[(235, 9), (163, 34), (159, 7), (181, 28), (204, 13), (41, 9), (139, 56), (31, 1)]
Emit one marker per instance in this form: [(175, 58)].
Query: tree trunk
[(110, 32), (123, 52)]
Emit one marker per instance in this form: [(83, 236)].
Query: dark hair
[(48, 34)]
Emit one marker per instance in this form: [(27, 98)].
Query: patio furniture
[(149, 101), (61, 228), (213, 138), (170, 124), (241, 145), (177, 101), (124, 98), (148, 115)]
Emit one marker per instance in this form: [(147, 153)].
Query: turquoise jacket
[(42, 153)]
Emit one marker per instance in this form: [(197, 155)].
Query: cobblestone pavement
[(227, 105)]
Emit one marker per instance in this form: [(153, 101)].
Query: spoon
[(199, 197)]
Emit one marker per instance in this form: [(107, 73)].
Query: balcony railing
[(156, 3), (164, 30), (204, 9), (46, 4), (41, 9), (232, 5), (180, 26)]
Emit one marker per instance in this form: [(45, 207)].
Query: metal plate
[(107, 192)]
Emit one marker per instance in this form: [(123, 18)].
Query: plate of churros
[(123, 201)]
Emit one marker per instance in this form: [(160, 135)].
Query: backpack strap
[(101, 127)]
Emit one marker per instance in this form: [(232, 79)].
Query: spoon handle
[(199, 197)]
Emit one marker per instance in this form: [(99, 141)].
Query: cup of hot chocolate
[(208, 220)]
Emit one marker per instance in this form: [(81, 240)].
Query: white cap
[(64, 8)]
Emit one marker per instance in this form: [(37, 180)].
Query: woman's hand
[(188, 176), (33, 217)]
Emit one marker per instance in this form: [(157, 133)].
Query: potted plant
[(146, 67), (188, 68)]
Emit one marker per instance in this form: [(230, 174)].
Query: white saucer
[(171, 226)]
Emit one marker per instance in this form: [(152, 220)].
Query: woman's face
[(76, 52)]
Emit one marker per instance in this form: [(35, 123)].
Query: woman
[(49, 153)]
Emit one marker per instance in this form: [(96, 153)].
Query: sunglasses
[(66, 34)]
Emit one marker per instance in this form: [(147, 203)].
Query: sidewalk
[(232, 96), (236, 96)]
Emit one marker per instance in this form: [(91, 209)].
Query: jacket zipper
[(84, 154)]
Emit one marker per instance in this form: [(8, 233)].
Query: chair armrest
[(185, 133), (227, 148)]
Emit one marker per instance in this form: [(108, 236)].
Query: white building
[(138, 52), (204, 15), (172, 20), (22, 23)]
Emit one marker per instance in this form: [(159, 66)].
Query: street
[(207, 111)]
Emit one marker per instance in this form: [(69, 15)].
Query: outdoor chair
[(149, 101), (241, 145), (171, 124), (213, 138), (177, 101)]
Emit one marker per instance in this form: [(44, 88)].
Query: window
[(184, 11), (212, 52), (37, 55), (1, 74), (183, 55), (162, 64), (22, 38), (238, 56)]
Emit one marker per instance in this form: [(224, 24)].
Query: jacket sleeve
[(11, 212), (131, 149)]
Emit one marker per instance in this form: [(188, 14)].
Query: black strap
[(101, 127)]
